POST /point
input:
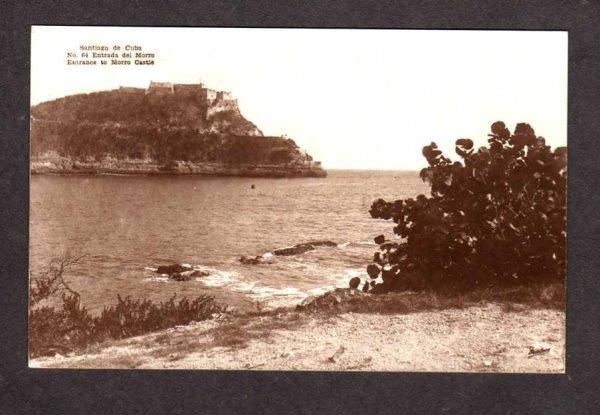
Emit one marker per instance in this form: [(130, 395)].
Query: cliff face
[(181, 129)]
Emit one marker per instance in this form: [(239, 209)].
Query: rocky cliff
[(186, 129)]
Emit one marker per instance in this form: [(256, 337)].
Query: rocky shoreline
[(66, 166)]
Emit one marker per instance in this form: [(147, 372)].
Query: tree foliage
[(84, 141), (498, 217)]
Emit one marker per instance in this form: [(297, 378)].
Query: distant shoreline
[(65, 166)]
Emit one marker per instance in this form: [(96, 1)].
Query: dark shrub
[(496, 218), (132, 317), (72, 327)]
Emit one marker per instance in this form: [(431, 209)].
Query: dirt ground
[(486, 338)]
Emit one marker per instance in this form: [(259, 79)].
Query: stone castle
[(208, 101), (214, 100)]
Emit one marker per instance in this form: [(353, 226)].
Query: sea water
[(129, 225)]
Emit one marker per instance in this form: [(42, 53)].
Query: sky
[(353, 99)]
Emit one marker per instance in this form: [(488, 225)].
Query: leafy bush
[(72, 327), (497, 218)]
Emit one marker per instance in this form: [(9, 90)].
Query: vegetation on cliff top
[(132, 107), (132, 125)]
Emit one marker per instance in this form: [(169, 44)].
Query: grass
[(232, 336), (178, 349), (242, 329), (511, 299)]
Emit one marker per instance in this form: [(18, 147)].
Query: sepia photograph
[(298, 199)]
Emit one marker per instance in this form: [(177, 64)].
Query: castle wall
[(220, 105), (213, 101), (221, 99), (188, 89), (208, 95), (160, 88), (224, 95)]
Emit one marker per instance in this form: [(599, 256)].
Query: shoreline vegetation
[(520, 329)]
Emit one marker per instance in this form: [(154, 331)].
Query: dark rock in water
[(249, 260), (172, 269), (323, 243), (354, 282), (302, 248), (179, 272), (294, 250), (188, 275), (253, 260), (180, 277)]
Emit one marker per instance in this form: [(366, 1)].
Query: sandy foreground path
[(474, 339)]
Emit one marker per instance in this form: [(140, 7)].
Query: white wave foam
[(341, 280), (274, 302), (320, 290), (271, 296), (304, 267), (217, 278), (158, 278), (355, 272), (277, 291), (244, 287), (343, 245), (151, 269), (290, 295), (370, 243), (268, 255), (282, 296)]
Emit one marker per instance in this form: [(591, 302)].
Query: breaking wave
[(216, 277), (301, 276), (369, 243), (158, 278)]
